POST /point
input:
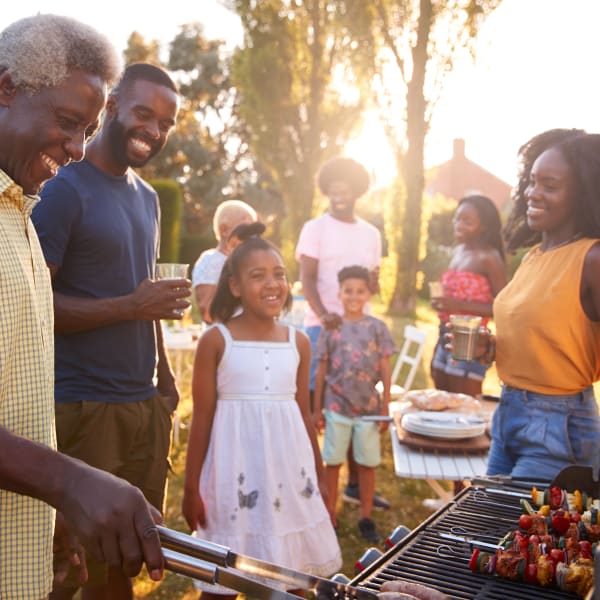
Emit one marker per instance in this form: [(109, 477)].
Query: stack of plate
[(449, 425)]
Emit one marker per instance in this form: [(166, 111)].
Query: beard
[(118, 140)]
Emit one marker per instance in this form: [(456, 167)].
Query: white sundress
[(258, 481)]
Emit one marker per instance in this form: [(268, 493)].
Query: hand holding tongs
[(211, 563)]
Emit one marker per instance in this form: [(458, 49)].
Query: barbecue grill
[(435, 554), (428, 555)]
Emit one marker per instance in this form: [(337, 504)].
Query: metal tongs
[(213, 563)]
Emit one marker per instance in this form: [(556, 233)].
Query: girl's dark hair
[(354, 272), (224, 303), (343, 169), (517, 232), (490, 221)]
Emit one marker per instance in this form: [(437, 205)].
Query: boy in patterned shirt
[(352, 359)]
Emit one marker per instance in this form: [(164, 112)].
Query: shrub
[(171, 210)]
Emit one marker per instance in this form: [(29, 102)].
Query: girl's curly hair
[(42, 51)]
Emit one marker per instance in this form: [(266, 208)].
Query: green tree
[(205, 154), (418, 44), (140, 50), (300, 93)]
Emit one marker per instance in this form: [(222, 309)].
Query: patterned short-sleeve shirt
[(208, 267), (353, 354), (26, 391)]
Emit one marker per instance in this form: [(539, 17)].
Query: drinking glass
[(171, 270), (464, 336)]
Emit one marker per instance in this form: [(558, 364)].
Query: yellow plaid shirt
[(26, 391)]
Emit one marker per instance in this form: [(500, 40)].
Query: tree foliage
[(418, 43), (205, 153), (300, 91)]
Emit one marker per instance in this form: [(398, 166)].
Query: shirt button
[(266, 387), (266, 368)]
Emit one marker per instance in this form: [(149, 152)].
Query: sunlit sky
[(535, 69)]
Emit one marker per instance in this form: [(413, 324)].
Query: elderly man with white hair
[(54, 75)]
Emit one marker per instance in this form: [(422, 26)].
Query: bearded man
[(98, 224)]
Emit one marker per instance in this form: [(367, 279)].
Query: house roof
[(460, 177)]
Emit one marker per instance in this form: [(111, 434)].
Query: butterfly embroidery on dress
[(247, 500), (308, 491)]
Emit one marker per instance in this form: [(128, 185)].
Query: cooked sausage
[(395, 596), (415, 589)]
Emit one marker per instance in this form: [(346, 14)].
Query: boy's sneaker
[(369, 531), (351, 495)]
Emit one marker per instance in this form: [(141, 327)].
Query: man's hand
[(113, 520), (161, 299), (167, 388), (68, 552), (331, 320)]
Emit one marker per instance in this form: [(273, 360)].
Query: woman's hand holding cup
[(475, 341)]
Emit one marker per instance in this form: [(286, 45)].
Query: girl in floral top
[(477, 272), (352, 359)]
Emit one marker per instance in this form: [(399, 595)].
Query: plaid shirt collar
[(14, 192)]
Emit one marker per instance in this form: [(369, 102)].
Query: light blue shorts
[(313, 332), (339, 430), (536, 435)]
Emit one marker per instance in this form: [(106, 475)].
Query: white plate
[(443, 424)]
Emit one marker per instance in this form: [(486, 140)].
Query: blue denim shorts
[(536, 435), (339, 430), (443, 361), (313, 332)]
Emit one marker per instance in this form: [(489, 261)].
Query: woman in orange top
[(548, 316)]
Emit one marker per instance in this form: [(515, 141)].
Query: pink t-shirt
[(337, 244)]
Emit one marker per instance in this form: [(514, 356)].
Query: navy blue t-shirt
[(102, 231)]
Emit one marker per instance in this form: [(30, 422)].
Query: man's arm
[(150, 301), (110, 516), (309, 268)]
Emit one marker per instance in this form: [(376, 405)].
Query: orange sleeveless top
[(545, 341)]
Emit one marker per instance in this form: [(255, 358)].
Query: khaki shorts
[(130, 440)]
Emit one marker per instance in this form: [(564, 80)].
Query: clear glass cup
[(172, 270)]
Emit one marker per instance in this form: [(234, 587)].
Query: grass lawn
[(406, 495)]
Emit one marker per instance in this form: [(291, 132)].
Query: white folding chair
[(410, 356)]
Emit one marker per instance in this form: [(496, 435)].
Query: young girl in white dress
[(254, 476)]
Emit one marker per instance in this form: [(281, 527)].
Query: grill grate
[(482, 513)]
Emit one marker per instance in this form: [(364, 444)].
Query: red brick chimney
[(458, 148)]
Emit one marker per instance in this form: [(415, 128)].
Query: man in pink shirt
[(328, 243)]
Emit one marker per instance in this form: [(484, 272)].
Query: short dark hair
[(341, 168), (144, 72), (224, 303), (354, 272)]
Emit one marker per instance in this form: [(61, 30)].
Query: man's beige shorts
[(128, 439)]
